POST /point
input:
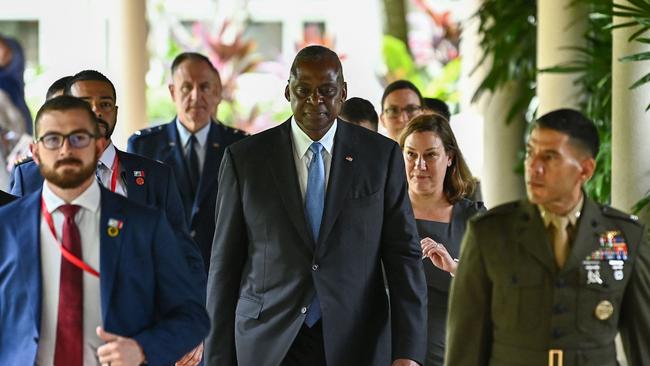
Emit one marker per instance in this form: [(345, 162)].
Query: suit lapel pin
[(139, 177), (348, 158), (172, 143), (114, 227), (216, 145)]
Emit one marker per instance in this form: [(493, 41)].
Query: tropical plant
[(636, 14), (593, 75), (508, 31), (592, 68)]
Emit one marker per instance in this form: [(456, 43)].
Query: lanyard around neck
[(76, 261), (115, 172)]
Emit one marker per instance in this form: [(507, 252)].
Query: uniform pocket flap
[(249, 308)]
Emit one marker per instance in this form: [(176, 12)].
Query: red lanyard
[(116, 171), (66, 253)]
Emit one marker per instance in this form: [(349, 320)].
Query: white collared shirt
[(106, 174), (87, 220), (201, 138), (302, 155)]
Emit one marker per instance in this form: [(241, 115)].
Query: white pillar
[(560, 25), (501, 142), (501, 145), (129, 62), (630, 124)]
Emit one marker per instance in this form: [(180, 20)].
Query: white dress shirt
[(302, 155), (87, 220), (201, 138), (105, 170)]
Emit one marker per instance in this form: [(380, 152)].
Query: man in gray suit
[(307, 212)]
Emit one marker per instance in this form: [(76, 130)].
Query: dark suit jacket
[(5, 198), (265, 265), (146, 292), (162, 143), (510, 304), (159, 190)]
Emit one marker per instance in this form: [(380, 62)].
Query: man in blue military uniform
[(192, 144), (551, 280)]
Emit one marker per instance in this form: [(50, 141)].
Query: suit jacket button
[(303, 310), (314, 267), (193, 233), (557, 333)]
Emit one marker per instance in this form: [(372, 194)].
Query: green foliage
[(399, 61), (509, 37), (638, 11), (400, 65)]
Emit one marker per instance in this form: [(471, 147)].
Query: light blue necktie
[(314, 204)]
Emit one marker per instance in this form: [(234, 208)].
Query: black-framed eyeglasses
[(411, 111), (77, 140)]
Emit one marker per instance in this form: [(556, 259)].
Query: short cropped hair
[(437, 106), (581, 130), (57, 86), (65, 103), (316, 53), (459, 182), (355, 110), (399, 85), (89, 75), (192, 56)]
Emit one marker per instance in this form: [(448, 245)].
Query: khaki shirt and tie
[(561, 229)]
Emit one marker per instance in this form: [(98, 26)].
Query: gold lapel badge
[(604, 310), (114, 227)]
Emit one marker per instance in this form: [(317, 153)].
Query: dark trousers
[(307, 349)]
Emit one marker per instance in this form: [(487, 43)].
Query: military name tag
[(593, 272), (604, 310)]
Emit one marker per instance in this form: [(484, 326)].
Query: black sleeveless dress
[(438, 281)]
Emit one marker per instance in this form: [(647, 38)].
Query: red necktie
[(69, 326)]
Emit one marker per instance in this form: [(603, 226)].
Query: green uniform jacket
[(510, 304)]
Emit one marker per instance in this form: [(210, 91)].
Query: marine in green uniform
[(529, 293)]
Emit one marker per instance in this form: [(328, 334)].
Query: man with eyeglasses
[(140, 179), (400, 102), (91, 277)]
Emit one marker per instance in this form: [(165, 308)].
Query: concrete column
[(560, 25), (129, 63), (630, 124), (500, 142), (501, 145)]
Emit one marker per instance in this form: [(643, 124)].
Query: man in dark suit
[(5, 198), (307, 213), (140, 179), (192, 144), (55, 307), (550, 280)]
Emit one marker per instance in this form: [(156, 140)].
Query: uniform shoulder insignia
[(617, 214), (499, 210), (23, 160), (147, 131)]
